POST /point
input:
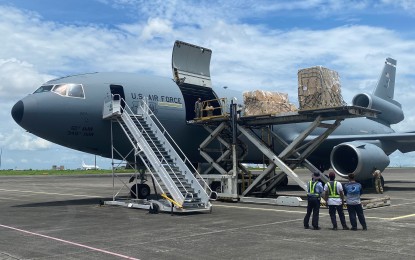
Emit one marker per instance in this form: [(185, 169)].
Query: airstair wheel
[(140, 191)]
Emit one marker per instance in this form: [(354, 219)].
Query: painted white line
[(263, 209), (71, 243), (52, 193), (292, 211), (401, 217), (254, 208)]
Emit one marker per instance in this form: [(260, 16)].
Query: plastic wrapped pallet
[(260, 102), (319, 87)]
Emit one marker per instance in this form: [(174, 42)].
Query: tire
[(214, 195), (154, 208), (215, 186), (140, 191)]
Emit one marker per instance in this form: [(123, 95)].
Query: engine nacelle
[(391, 111), (359, 158)]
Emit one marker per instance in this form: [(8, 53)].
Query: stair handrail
[(177, 148), (163, 162), (143, 132), (145, 164)]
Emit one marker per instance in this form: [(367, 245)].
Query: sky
[(256, 44)]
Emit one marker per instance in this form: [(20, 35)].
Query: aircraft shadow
[(85, 202), (60, 203)]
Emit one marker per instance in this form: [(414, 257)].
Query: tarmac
[(59, 217)]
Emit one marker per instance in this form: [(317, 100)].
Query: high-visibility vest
[(311, 189), (333, 189)]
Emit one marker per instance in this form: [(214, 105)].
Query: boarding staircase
[(171, 170)]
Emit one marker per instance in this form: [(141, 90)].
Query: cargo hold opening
[(191, 93), (191, 72)]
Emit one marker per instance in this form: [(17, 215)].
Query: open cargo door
[(191, 64), (191, 72)]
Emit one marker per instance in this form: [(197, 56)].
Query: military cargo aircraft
[(68, 111)]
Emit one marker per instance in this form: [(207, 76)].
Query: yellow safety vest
[(333, 190), (311, 189)]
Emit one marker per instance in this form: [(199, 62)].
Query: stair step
[(153, 140), (185, 184)]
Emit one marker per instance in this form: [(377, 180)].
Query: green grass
[(57, 172)]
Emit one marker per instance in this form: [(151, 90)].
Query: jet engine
[(359, 158), (391, 111)]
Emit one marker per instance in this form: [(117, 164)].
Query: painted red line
[(71, 243)]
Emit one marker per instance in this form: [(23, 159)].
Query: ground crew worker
[(198, 108), (377, 176), (314, 191), (353, 190), (333, 194)]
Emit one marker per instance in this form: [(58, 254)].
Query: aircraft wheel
[(140, 191), (215, 186), (214, 195)]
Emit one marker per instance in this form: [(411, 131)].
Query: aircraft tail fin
[(382, 98), (385, 88)]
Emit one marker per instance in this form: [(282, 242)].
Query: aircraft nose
[(17, 111)]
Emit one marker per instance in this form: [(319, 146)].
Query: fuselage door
[(191, 64), (118, 92)]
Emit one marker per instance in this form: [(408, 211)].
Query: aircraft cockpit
[(66, 90)]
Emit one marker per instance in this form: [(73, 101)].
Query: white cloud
[(408, 5), (24, 161), (156, 27), (19, 76), (206, 12), (17, 139), (245, 56)]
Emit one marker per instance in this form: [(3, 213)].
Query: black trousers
[(313, 206), (356, 210), (332, 212)]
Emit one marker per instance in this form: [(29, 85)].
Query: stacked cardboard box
[(260, 102), (319, 87)]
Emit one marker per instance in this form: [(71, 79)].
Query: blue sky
[(256, 45)]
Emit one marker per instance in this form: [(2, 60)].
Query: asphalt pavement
[(60, 217)]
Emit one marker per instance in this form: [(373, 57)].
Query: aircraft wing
[(404, 142)]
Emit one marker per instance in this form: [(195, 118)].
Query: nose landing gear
[(140, 191)]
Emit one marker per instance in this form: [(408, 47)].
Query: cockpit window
[(61, 89), (76, 90), (69, 90), (45, 88)]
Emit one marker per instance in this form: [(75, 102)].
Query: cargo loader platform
[(236, 134)]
